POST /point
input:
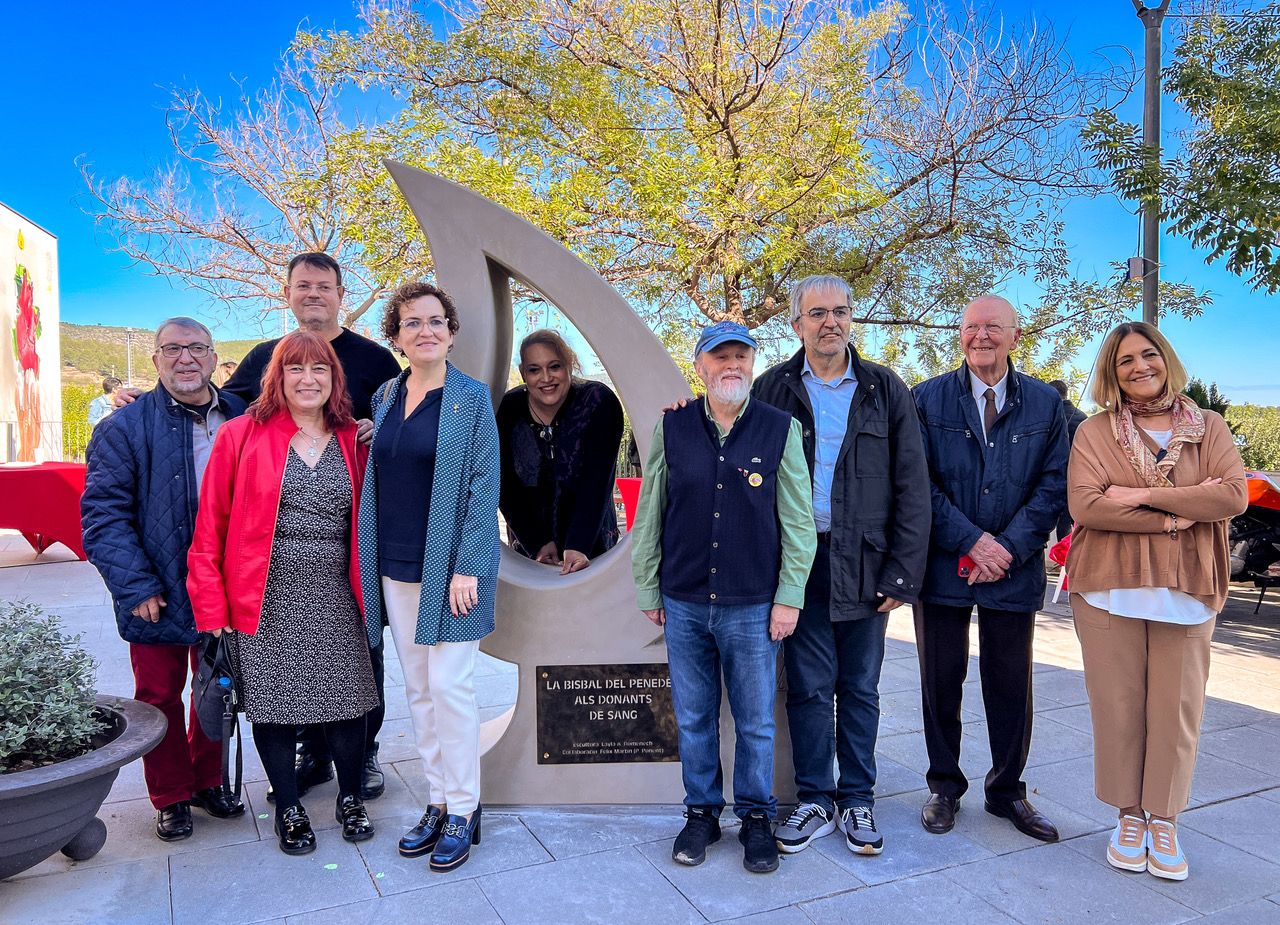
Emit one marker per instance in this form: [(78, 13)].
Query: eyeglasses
[(819, 315), (437, 325), (322, 288), (993, 330), (173, 351)]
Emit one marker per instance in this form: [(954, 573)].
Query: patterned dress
[(309, 660)]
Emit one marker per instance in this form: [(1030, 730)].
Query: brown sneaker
[(1164, 854), (1128, 847)]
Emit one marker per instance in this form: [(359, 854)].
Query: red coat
[(236, 523)]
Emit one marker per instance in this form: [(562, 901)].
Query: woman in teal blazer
[(429, 553)]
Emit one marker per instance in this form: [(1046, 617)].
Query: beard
[(730, 393)]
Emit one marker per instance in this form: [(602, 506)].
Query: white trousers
[(439, 683)]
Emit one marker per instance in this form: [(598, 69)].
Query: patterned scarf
[(1188, 427)]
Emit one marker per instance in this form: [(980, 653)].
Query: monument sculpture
[(592, 721)]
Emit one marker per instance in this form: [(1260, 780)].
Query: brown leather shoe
[(1025, 818), (939, 814)]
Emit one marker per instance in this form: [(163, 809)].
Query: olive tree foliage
[(256, 181), (1221, 190), (706, 155)]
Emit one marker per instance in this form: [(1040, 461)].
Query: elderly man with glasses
[(146, 462), (996, 444)]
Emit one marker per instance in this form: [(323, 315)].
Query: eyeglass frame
[(992, 330), (819, 315), (166, 350)]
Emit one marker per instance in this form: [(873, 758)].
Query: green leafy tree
[(1257, 427), (1207, 396), (1222, 190)]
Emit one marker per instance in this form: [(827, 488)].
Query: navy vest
[(721, 541)]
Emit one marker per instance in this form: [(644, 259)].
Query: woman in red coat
[(273, 561)]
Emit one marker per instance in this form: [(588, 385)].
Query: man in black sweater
[(313, 289)]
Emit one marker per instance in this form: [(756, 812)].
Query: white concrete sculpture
[(588, 618)]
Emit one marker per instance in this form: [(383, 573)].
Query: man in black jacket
[(871, 507), (314, 293), (146, 463)]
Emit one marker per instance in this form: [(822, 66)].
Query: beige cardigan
[(1114, 546)]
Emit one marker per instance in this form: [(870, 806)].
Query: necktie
[(988, 411)]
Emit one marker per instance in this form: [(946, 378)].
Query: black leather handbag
[(215, 690)]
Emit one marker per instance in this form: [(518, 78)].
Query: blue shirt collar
[(846, 376)]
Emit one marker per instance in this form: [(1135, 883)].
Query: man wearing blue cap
[(721, 550)]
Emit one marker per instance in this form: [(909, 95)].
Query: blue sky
[(88, 80)]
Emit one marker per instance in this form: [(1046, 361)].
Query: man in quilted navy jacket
[(145, 465)]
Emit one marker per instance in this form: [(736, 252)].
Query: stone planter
[(50, 808)]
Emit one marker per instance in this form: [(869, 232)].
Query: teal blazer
[(462, 527)]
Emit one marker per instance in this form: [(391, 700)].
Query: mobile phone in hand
[(967, 567)]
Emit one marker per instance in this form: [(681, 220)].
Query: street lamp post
[(1153, 21)]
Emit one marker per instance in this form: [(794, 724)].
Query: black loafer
[(293, 828), (173, 822), (1025, 818), (311, 772), (218, 803), (422, 838), (457, 835), (373, 783), (354, 817), (939, 814)]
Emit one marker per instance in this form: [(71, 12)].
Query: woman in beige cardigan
[(1152, 484)]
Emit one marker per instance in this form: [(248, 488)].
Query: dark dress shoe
[(311, 772), (939, 814), (1025, 818), (422, 838), (351, 813), (218, 803), (293, 828), (372, 783), (457, 835), (173, 822)]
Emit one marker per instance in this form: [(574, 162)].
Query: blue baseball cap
[(723, 332)]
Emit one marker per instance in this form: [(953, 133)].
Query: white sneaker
[(1164, 854), (806, 822), (1128, 847)]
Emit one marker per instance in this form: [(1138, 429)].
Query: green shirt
[(794, 499)]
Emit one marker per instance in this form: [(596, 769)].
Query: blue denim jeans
[(833, 697), (704, 641)]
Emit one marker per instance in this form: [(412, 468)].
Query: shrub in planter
[(47, 700)]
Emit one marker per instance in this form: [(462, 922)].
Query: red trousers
[(185, 760)]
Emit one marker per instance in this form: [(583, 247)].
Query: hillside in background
[(92, 351)]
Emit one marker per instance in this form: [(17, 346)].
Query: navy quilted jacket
[(139, 510)]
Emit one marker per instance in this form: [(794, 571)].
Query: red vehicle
[(1254, 536)]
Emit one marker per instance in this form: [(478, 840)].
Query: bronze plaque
[(592, 714)]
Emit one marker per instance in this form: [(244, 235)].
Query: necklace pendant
[(311, 451)]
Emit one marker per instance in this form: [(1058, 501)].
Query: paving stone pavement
[(612, 863)]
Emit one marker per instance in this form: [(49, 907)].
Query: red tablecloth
[(630, 491), (43, 503)]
